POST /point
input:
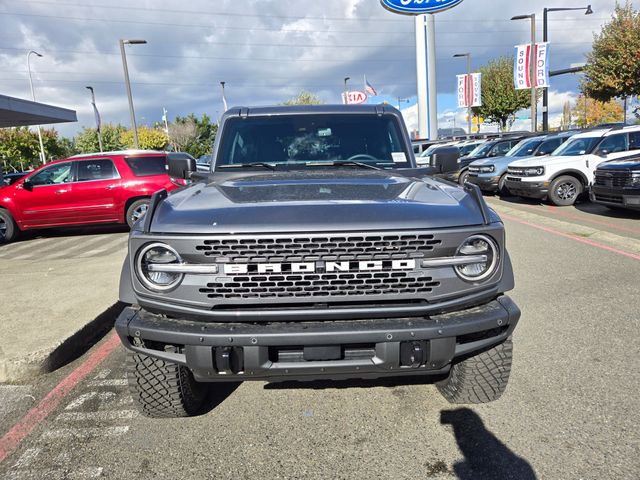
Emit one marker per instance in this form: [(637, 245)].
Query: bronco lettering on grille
[(318, 267)]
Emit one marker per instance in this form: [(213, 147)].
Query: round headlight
[(483, 255), (149, 267)]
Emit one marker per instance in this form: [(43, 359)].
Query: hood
[(630, 164), (546, 160), (332, 200)]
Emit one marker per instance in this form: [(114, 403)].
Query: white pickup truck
[(568, 172)]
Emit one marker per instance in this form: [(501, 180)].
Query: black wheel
[(479, 379), (502, 188), (564, 191), (463, 177), (162, 389), (8, 228), (136, 211)]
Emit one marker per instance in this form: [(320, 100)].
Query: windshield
[(467, 149), (576, 146), (525, 148), (481, 150), (305, 140)]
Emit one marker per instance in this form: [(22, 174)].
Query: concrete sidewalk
[(54, 292)]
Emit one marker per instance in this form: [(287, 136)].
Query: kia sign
[(354, 98), (418, 7)]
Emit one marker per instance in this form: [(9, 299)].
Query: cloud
[(266, 51)]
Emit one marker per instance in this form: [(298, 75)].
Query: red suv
[(112, 187)]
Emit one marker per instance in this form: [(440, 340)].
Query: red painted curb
[(10, 441)]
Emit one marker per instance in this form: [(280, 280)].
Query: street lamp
[(469, 93), (97, 115), (128, 85), (545, 90), (224, 98), (43, 157), (532, 68), (346, 79)]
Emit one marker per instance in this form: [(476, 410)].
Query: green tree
[(87, 140), (304, 98), (20, 147), (500, 100), (192, 134), (148, 138), (613, 65)]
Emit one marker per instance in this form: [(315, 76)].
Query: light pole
[(97, 115), (400, 100), (224, 98), (545, 38), (346, 79), (128, 85), (43, 157), (532, 68), (469, 95)]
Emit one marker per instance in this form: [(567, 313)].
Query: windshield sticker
[(398, 157)]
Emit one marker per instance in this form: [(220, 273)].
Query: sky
[(266, 51)]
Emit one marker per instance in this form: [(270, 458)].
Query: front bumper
[(307, 350), (616, 197), (522, 188), (486, 183)]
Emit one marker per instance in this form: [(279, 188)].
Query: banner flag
[(476, 89), (542, 64), (462, 91), (521, 75)]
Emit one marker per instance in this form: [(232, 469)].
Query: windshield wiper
[(342, 163), (248, 165)]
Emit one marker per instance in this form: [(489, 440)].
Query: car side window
[(549, 146), (613, 144), (96, 169), (634, 140), (501, 148), (52, 175)]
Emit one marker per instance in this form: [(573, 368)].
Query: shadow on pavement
[(602, 211), (485, 457), (69, 232), (218, 393)]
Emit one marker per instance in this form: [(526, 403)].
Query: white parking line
[(102, 374), (96, 416), (103, 398), (27, 458), (85, 433), (120, 242), (80, 247), (112, 382), (55, 474)]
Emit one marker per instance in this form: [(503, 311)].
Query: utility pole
[(128, 86), (97, 115), (43, 157)]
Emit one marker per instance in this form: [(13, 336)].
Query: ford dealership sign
[(418, 7)]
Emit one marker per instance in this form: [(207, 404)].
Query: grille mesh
[(328, 248), (613, 179), (320, 285)]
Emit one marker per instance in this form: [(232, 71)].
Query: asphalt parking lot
[(570, 411)]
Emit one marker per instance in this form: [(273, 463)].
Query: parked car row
[(110, 187), (558, 167)]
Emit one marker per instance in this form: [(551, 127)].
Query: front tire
[(502, 187), (163, 389), (564, 191), (482, 378), (463, 177), (136, 211), (8, 228)]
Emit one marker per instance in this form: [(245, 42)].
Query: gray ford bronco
[(315, 249)]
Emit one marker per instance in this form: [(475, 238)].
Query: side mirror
[(181, 165), (445, 159), (27, 185), (603, 152)]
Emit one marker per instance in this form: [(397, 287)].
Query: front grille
[(609, 198), (613, 179), (320, 285), (312, 248)]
